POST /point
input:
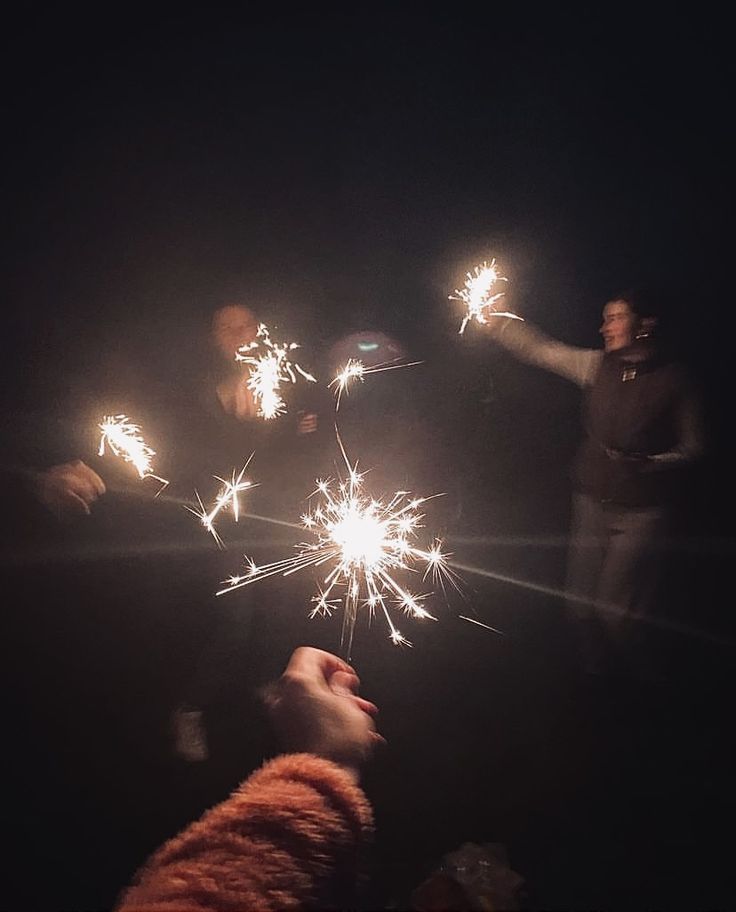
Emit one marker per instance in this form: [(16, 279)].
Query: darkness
[(342, 168)]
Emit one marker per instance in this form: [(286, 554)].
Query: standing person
[(219, 430), (642, 430)]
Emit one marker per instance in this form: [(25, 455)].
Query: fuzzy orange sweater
[(292, 836)]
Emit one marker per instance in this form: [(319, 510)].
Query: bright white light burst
[(355, 369), (270, 367), (228, 497), (124, 439), (479, 296), (364, 542)]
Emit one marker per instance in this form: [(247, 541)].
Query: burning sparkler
[(228, 496), (364, 541), (479, 297), (270, 367), (355, 369), (124, 439)]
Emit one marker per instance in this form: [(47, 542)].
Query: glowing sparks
[(365, 542), (227, 497), (479, 295), (270, 367), (356, 370), (124, 439)]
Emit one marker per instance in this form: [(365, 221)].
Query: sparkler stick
[(270, 366), (355, 369), (364, 543), (228, 496), (479, 297), (124, 439)]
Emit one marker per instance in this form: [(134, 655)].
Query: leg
[(630, 579), (588, 539)]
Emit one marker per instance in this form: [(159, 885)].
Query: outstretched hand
[(68, 489), (314, 707)]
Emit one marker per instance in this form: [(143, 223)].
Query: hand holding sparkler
[(315, 708), (480, 295), (68, 489)]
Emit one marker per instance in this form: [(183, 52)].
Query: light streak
[(355, 370), (479, 297), (228, 496), (124, 439), (270, 367)]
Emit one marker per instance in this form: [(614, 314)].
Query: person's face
[(619, 325), (233, 326)]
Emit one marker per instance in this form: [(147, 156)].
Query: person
[(219, 431), (295, 833), (643, 430)]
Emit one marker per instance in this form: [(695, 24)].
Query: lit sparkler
[(479, 297), (365, 542), (124, 439), (355, 369), (228, 496), (270, 367)]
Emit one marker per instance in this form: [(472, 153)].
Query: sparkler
[(270, 367), (355, 369), (365, 542), (479, 297), (228, 496), (124, 439)]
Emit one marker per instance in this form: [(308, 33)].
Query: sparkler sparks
[(355, 369), (270, 367), (365, 542), (124, 439), (228, 496), (479, 297)]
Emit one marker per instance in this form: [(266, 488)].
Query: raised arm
[(532, 346)]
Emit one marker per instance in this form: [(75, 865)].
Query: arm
[(690, 444), (532, 346), (293, 835), (289, 837)]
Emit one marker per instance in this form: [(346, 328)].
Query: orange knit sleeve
[(293, 835)]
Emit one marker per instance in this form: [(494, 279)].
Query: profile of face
[(620, 325), (232, 326)]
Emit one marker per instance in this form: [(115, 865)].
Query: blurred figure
[(294, 834), (642, 431), (217, 432)]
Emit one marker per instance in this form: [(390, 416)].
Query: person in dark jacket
[(642, 431)]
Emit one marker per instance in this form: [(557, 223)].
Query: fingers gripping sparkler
[(365, 543), (227, 497), (270, 367), (124, 439), (479, 297), (355, 369)]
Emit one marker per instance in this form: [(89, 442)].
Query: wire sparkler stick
[(124, 439), (270, 367), (479, 297), (364, 543), (355, 369), (228, 496)]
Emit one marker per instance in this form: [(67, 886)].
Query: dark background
[(341, 169)]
